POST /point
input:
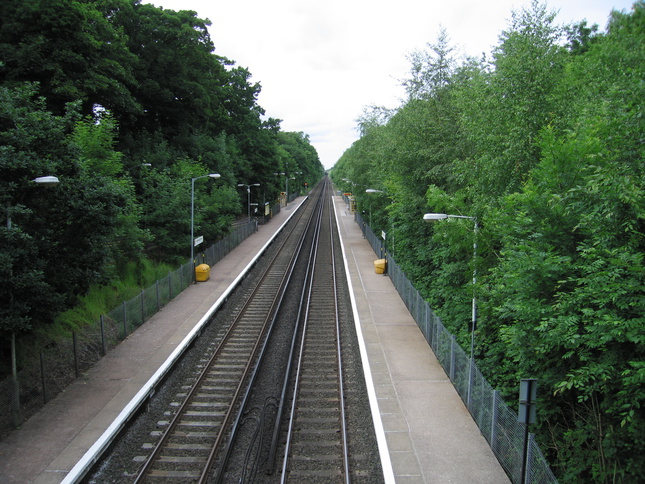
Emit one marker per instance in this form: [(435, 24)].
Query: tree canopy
[(124, 102), (542, 142)]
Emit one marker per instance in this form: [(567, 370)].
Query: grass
[(101, 299)]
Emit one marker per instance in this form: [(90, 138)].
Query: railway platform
[(430, 435), (425, 433)]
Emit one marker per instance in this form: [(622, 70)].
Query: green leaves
[(544, 145)]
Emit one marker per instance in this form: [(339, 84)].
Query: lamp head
[(47, 180), (431, 217)]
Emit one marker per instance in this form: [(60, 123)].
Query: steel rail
[(288, 276), (302, 308), (339, 375), (204, 374)]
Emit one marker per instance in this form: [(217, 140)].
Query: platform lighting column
[(391, 227), (372, 190), (248, 196), (45, 181), (286, 186), (430, 217), (192, 217)]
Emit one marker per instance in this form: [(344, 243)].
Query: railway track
[(189, 444), (266, 402), (316, 448)]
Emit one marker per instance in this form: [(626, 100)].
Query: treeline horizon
[(125, 103), (542, 142)]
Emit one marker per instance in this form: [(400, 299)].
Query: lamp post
[(286, 187), (374, 190), (430, 217), (45, 181), (248, 196), (192, 216)]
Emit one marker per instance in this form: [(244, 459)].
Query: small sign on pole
[(199, 240), (528, 394), (526, 415)]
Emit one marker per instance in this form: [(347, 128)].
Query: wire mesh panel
[(481, 400), (496, 420), (537, 469), (44, 374), (509, 439)]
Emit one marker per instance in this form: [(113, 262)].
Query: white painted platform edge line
[(386, 463), (94, 452)]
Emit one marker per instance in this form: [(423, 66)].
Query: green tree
[(507, 103), (72, 49), (95, 139)]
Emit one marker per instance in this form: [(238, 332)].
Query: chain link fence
[(497, 422), (45, 373)]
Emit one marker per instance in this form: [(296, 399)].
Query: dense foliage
[(125, 103), (543, 143)]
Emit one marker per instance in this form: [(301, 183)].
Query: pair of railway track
[(268, 404)]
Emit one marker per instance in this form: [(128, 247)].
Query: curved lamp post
[(286, 183), (374, 190), (45, 181), (431, 217), (248, 196), (192, 217)]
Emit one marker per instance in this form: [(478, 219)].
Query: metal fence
[(497, 422), (43, 374)]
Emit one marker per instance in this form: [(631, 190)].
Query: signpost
[(526, 414)]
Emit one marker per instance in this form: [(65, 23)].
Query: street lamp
[(374, 190), (192, 216), (248, 196), (45, 181), (431, 217), (286, 187)]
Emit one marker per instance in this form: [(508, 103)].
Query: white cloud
[(319, 63)]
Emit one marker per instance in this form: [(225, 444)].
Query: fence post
[(143, 306), (470, 384), (102, 321), (157, 292), (42, 376), (15, 393), (170, 287), (125, 321), (452, 357), (75, 346), (493, 424)]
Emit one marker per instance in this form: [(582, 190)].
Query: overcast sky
[(321, 62)]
